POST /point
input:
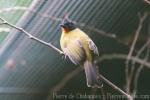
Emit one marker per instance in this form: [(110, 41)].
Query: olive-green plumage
[(81, 50)]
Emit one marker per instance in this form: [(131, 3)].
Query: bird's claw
[(30, 36), (64, 56)]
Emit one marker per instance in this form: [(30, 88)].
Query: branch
[(68, 77), (76, 72), (147, 1), (31, 36), (101, 32), (21, 8), (10, 9), (115, 87), (137, 56), (123, 56), (136, 36), (139, 71), (127, 74)]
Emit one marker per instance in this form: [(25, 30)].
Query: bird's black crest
[(69, 25)]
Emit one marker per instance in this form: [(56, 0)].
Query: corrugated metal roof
[(29, 69)]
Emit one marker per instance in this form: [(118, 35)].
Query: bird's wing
[(93, 47), (74, 50)]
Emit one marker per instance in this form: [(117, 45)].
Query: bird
[(81, 50)]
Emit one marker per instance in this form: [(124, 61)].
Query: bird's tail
[(91, 75)]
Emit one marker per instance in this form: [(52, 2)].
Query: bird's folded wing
[(75, 52), (93, 47)]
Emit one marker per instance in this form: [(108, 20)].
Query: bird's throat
[(66, 30)]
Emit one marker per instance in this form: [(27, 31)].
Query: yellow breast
[(68, 41)]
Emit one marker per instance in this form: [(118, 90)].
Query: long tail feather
[(91, 75)]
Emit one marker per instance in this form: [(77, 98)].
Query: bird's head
[(68, 26)]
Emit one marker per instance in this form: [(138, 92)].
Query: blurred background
[(32, 71)]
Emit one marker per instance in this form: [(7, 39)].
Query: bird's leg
[(64, 56)]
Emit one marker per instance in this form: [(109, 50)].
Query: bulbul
[(80, 49)]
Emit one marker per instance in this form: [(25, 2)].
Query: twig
[(29, 10), (136, 36), (68, 77), (127, 74), (137, 56), (50, 45), (10, 9), (76, 72), (31, 36), (101, 32), (123, 56), (139, 71), (115, 87), (147, 1), (59, 19)]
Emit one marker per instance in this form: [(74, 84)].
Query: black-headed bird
[(80, 49)]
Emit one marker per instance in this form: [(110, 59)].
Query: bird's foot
[(64, 56)]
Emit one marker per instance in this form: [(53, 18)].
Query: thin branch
[(136, 36), (127, 74), (101, 32), (68, 77), (76, 72), (137, 56), (123, 56), (147, 1), (58, 19), (140, 52), (10, 9), (139, 71), (31, 36), (129, 57), (115, 87)]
